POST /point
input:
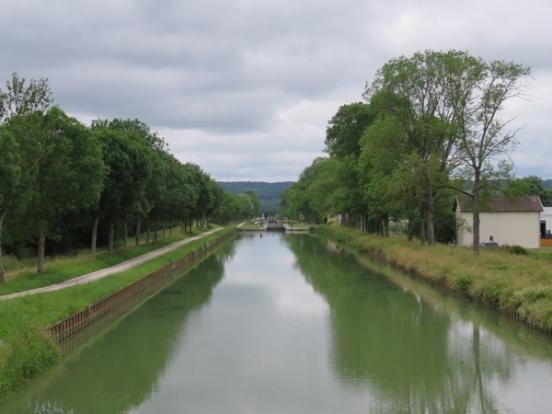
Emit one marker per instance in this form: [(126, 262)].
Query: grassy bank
[(26, 349), (519, 285), (22, 274)]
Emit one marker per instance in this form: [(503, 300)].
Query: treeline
[(429, 128), (70, 184)]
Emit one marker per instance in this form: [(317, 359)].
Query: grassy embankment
[(542, 253), (21, 274), (515, 284), (26, 349)]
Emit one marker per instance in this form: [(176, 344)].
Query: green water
[(285, 324)]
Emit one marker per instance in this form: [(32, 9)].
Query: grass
[(59, 269), (542, 253), (520, 284), (25, 347)]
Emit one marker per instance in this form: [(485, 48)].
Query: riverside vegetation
[(514, 283), (64, 185), (429, 129), (26, 349)]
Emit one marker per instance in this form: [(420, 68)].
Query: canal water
[(291, 324)]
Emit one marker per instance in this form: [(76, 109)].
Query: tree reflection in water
[(413, 358), (123, 367)]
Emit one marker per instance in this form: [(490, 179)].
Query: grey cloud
[(231, 83)]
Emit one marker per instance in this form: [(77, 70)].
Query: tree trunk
[(2, 271), (137, 234), (148, 233), (41, 249), (125, 233), (385, 227), (423, 228), (411, 228), (156, 225), (111, 235), (476, 208), (94, 242), (429, 216)]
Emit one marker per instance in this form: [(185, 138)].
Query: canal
[(289, 324)]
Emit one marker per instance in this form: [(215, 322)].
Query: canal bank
[(283, 323), (517, 286), (31, 332)]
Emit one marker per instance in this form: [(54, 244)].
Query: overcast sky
[(245, 88)]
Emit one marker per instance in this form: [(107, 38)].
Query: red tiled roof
[(502, 204)]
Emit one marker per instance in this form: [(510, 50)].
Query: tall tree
[(343, 136), (68, 174), (424, 93), (484, 138), (22, 97), (10, 179)]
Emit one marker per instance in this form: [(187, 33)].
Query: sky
[(245, 88)]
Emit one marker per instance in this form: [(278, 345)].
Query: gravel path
[(108, 271)]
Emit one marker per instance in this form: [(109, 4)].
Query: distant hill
[(547, 183), (268, 193)]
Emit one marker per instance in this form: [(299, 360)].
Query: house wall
[(521, 229)]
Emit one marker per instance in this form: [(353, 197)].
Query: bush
[(518, 250)]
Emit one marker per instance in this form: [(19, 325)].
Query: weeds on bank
[(25, 347), (515, 283)]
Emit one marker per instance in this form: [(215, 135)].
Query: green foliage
[(531, 185), (24, 355), (518, 250), (316, 193), (22, 97), (269, 194), (62, 181), (428, 129), (26, 350), (515, 283), (345, 129)]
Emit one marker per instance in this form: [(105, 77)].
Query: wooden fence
[(106, 310)]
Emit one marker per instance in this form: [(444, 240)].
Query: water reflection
[(396, 345), (122, 368), (291, 325)]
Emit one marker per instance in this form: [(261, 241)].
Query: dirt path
[(108, 271)]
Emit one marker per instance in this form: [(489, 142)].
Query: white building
[(503, 220)]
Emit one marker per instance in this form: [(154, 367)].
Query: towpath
[(108, 271)]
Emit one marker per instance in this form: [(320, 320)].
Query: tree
[(315, 194), (68, 170), (531, 185), (10, 179), (128, 154), (484, 139), (424, 93), (382, 153), (343, 136), (345, 129), (22, 97)]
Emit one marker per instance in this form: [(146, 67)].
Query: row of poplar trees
[(429, 128), (63, 181)]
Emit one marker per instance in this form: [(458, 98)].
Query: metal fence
[(102, 313)]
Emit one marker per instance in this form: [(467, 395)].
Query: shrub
[(518, 250), (463, 283)]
